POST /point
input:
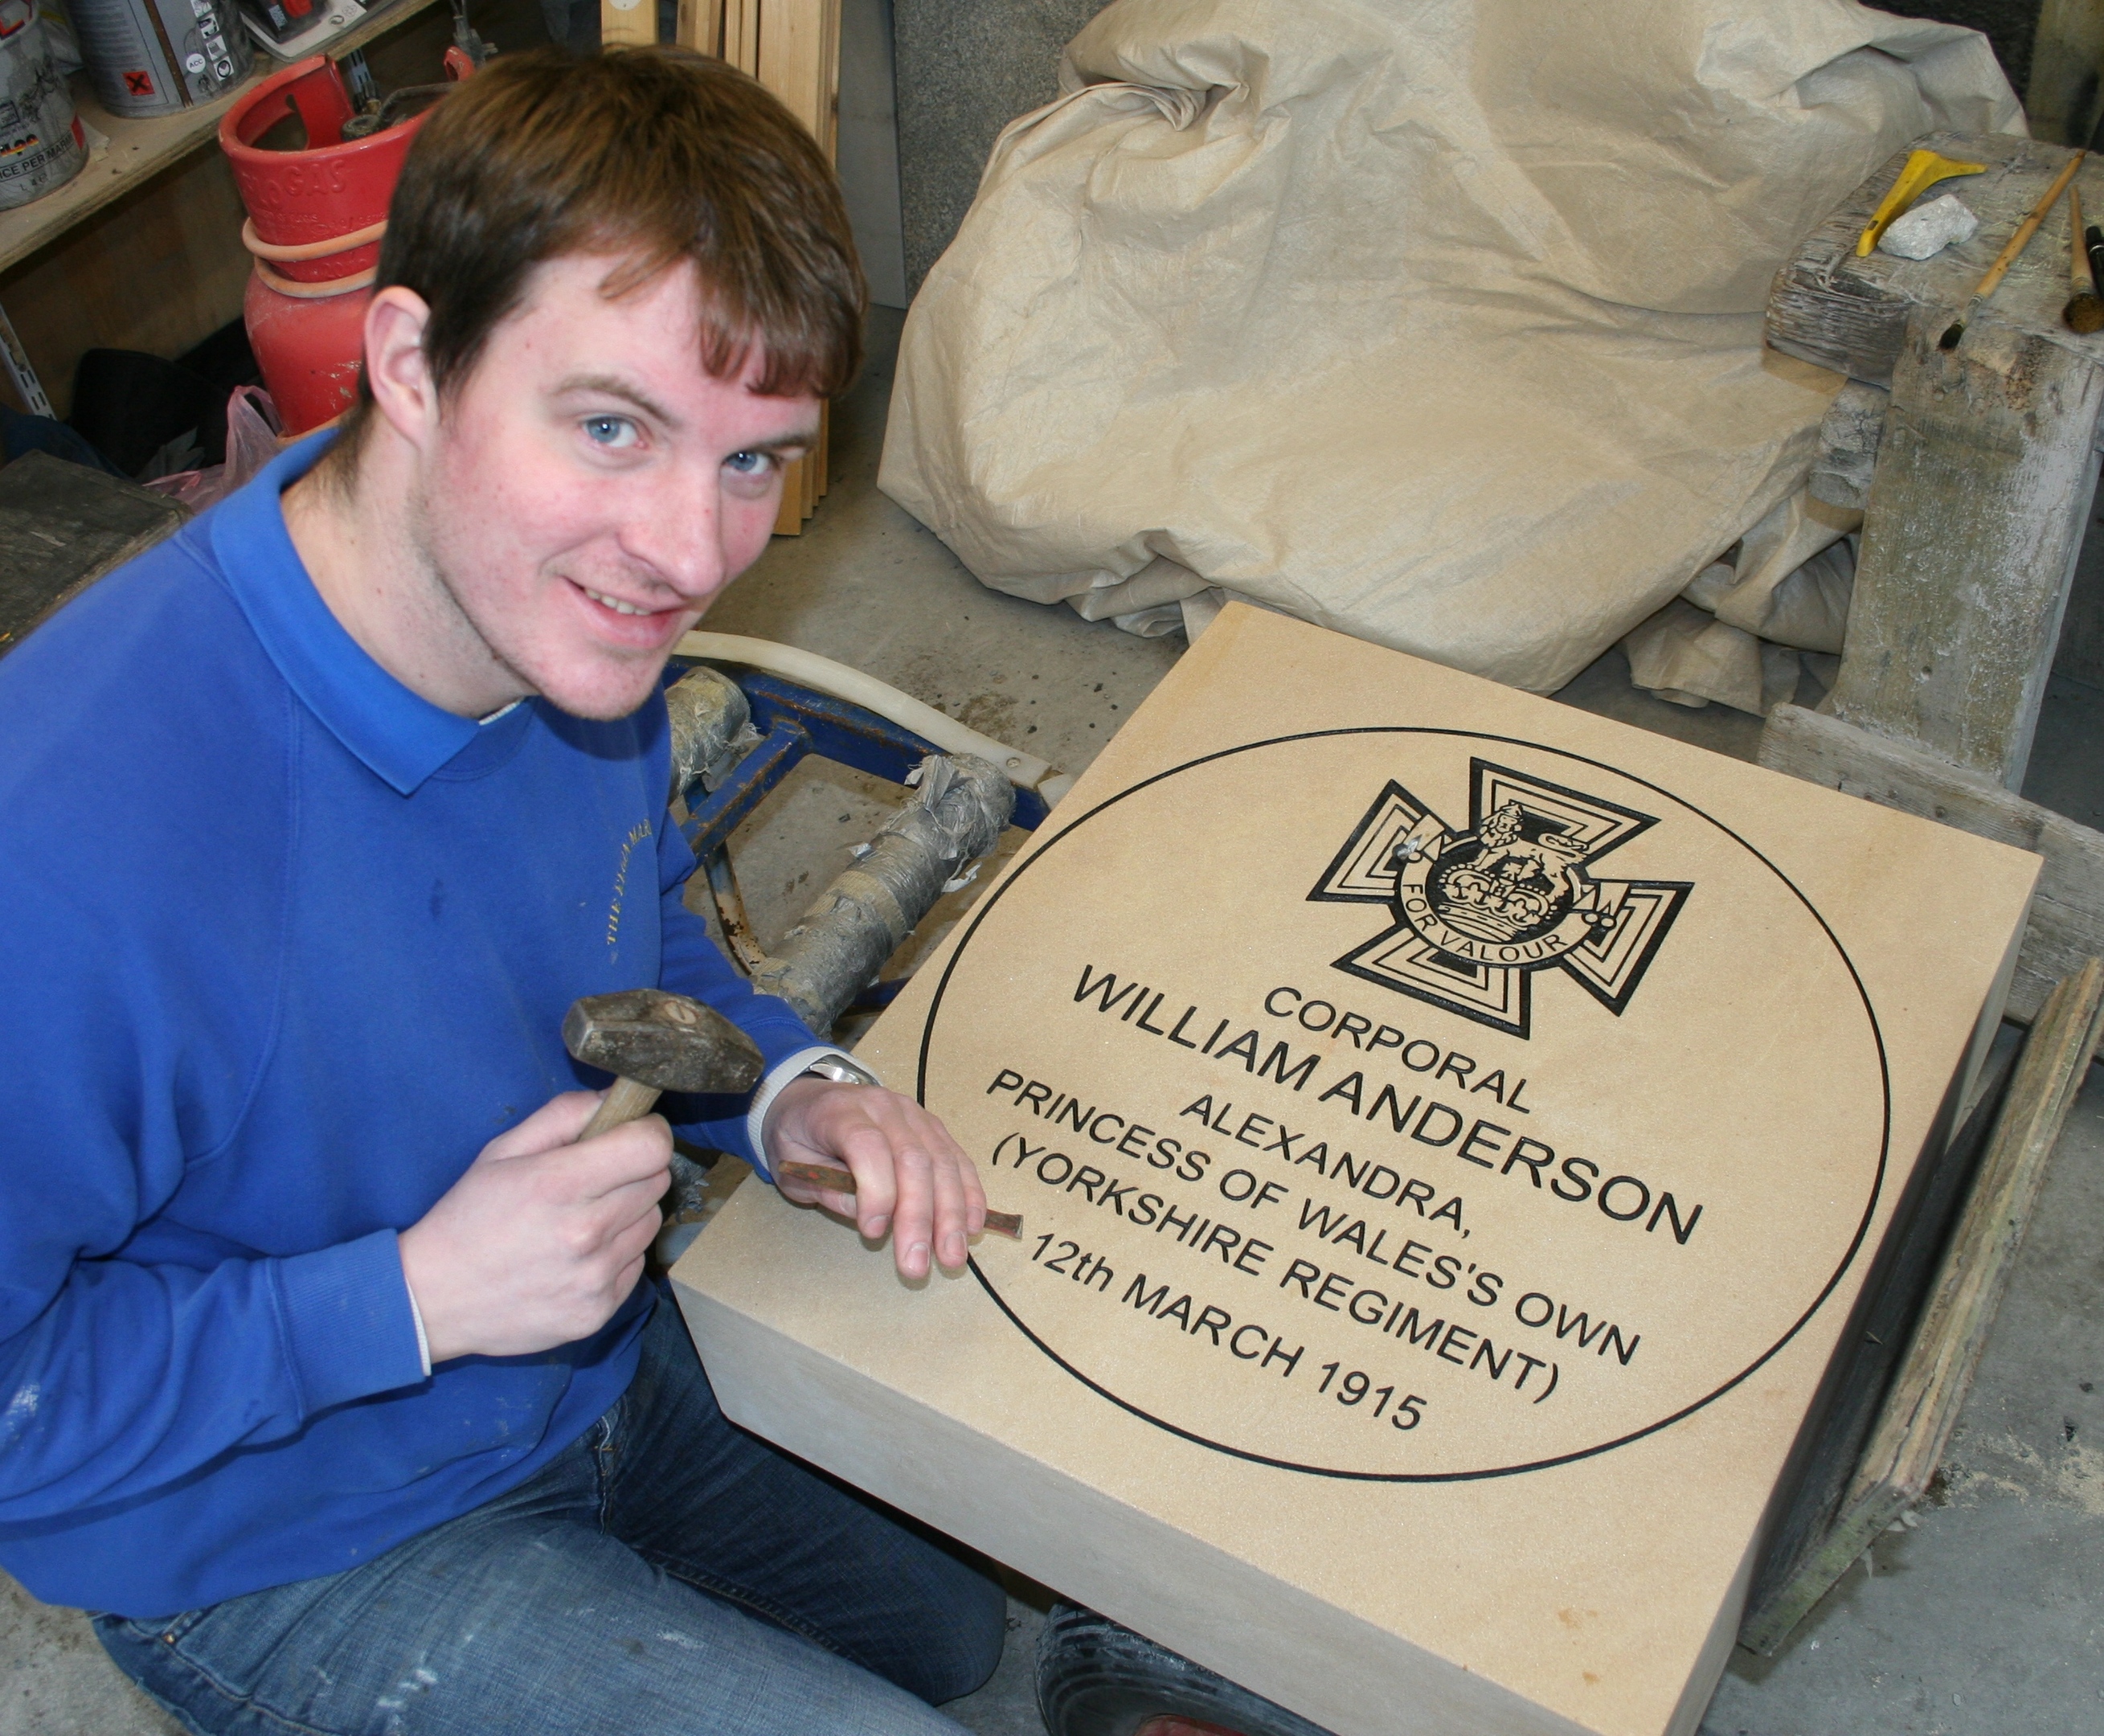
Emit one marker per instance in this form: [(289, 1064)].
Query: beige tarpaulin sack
[(1436, 322)]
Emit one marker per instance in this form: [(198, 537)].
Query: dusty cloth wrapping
[(1784, 589), (1435, 321)]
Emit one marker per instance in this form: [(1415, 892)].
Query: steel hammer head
[(664, 1041)]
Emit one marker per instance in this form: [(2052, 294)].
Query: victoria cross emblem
[(1477, 912)]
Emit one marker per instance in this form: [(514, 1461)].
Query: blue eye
[(613, 432), (747, 463)]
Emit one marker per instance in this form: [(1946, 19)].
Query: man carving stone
[(326, 1375)]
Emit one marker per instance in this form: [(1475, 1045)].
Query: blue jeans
[(667, 1574)]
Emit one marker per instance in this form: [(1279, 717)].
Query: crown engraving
[(1478, 912)]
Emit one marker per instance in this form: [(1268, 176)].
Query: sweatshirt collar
[(399, 734)]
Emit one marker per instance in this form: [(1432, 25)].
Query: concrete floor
[(1983, 1620)]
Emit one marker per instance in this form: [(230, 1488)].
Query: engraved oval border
[(1848, 1258)]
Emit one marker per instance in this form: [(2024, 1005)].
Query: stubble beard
[(450, 617), (447, 616)]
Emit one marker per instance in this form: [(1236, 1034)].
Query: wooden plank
[(1915, 1425), (699, 26), (1931, 1386), (789, 515), (63, 526), (798, 58), (828, 133), (1976, 514), (829, 74), (1834, 1452), (2067, 922), (139, 150), (792, 44), (1981, 490), (805, 486), (627, 23), (789, 518), (741, 35)]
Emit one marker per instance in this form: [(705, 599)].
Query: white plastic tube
[(1022, 769)]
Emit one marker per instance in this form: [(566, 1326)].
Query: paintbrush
[(2084, 312), (841, 1181), (2008, 257)]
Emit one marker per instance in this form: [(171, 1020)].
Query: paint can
[(160, 57), (42, 147)]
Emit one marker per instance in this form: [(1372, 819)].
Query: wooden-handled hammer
[(654, 1041)]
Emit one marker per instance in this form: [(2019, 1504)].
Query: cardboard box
[(1452, 1132)]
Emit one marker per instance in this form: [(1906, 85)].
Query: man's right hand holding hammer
[(544, 1236)]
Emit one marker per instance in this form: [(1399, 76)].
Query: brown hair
[(658, 154)]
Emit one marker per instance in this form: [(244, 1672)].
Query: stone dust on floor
[(1983, 1619)]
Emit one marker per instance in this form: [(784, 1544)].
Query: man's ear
[(395, 366)]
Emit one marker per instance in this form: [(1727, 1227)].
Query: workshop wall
[(964, 73), (868, 154), (2011, 25)]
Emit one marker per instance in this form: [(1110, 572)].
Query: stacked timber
[(793, 47)]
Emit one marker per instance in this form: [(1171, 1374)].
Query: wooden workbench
[(1979, 464)]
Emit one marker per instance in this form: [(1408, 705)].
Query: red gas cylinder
[(317, 210), (310, 350)]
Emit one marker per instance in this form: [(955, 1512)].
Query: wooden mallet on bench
[(654, 1041)]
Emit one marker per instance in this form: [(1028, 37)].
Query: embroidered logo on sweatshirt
[(636, 834)]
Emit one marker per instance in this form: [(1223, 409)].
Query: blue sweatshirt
[(283, 947)]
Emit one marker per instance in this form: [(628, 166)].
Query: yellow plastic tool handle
[(1924, 169)]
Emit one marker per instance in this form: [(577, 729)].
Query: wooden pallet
[(2067, 924), (793, 47)]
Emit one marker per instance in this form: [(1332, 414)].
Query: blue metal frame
[(793, 722)]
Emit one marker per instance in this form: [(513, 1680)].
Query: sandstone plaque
[(1451, 1131)]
